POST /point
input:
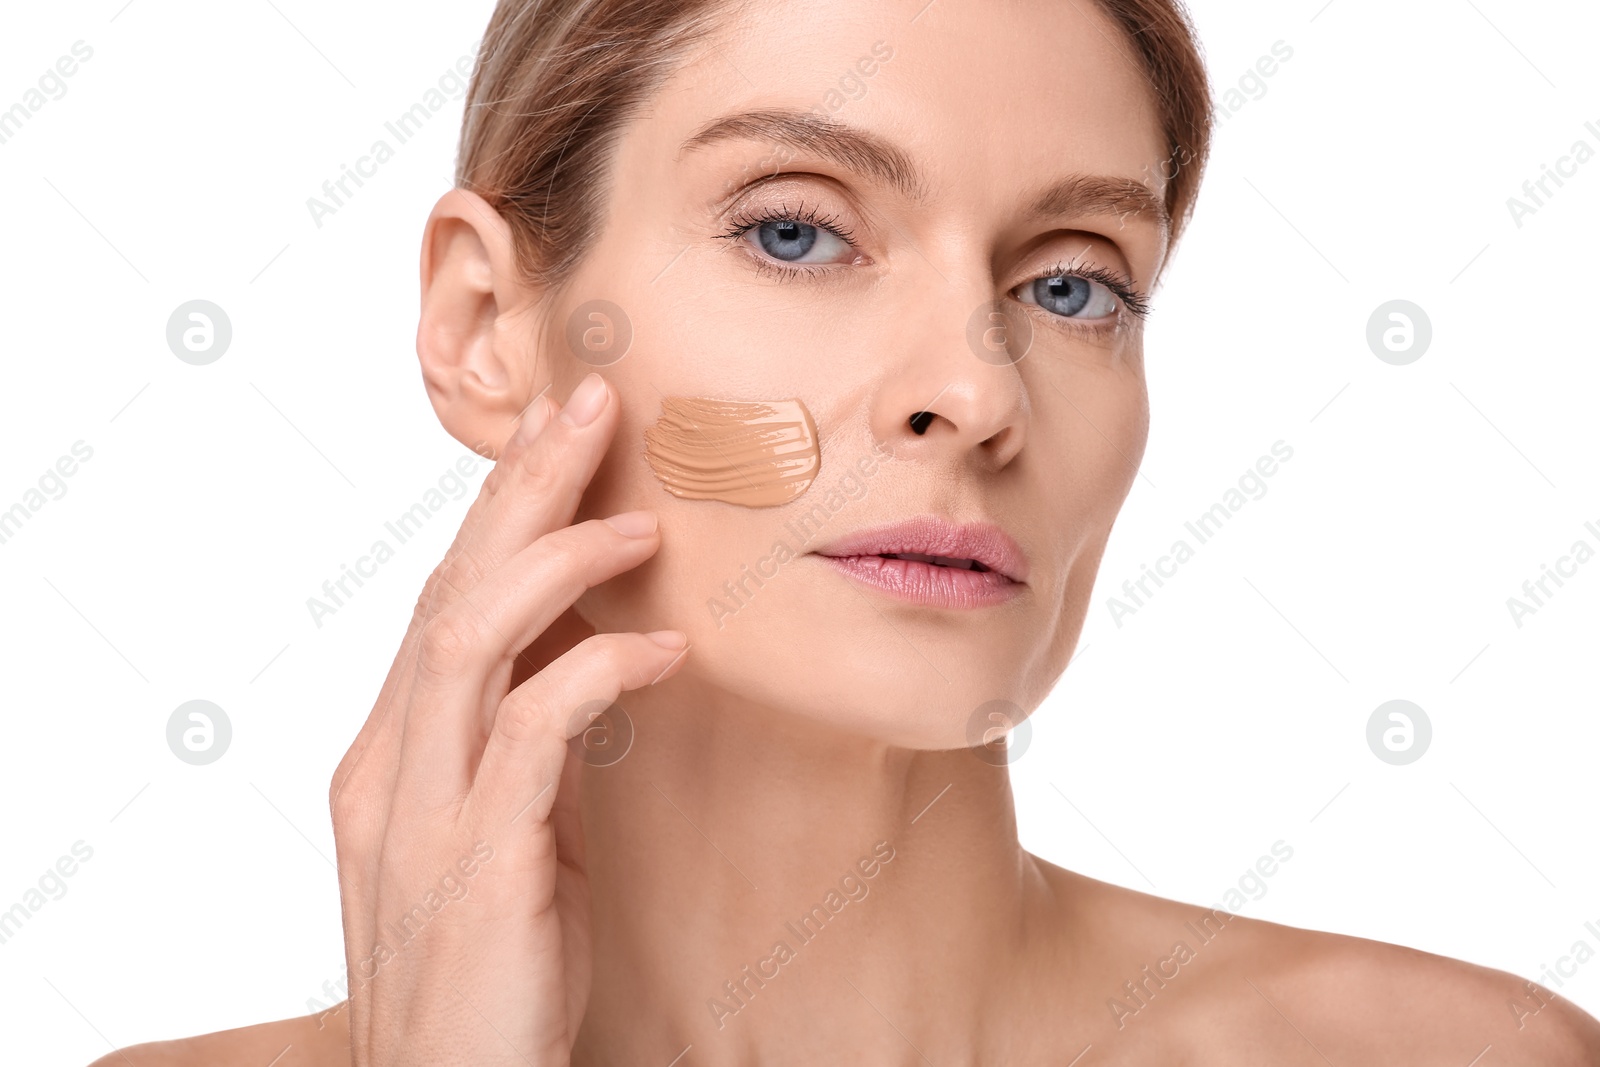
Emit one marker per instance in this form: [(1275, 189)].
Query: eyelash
[(1121, 286), (1129, 295), (744, 223)]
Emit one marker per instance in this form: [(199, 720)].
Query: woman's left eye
[(793, 241), (1070, 296)]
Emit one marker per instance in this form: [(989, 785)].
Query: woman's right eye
[(793, 241)]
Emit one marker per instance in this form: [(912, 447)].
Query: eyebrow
[(1090, 194), (868, 153), (849, 147)]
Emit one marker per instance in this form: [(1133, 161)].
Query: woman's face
[(896, 265)]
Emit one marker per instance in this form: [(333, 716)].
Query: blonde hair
[(557, 80)]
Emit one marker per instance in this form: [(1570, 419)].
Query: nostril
[(921, 421)]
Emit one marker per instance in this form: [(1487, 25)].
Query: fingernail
[(633, 523), (673, 639), (534, 418), (586, 401)]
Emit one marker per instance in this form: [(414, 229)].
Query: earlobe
[(479, 375)]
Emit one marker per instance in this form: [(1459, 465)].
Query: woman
[(843, 303)]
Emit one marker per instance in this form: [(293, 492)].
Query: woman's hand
[(461, 869)]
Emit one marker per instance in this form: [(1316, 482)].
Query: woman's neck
[(755, 877)]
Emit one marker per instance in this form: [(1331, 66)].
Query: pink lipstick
[(933, 562)]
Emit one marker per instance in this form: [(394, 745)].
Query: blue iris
[(787, 239), (1065, 294)]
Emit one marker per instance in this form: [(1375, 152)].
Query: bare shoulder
[(1383, 1003), (1205, 986), (321, 1040)]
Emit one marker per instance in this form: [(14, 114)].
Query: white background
[(1227, 713)]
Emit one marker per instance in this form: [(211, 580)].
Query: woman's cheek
[(754, 453)]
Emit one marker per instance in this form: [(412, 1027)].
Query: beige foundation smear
[(754, 453)]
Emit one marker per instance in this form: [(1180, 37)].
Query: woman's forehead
[(967, 86)]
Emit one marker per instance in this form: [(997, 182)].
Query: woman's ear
[(477, 338)]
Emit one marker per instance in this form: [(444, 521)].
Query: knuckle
[(520, 718), (566, 550), (428, 599), (342, 803), (350, 807), (419, 613), (605, 654), (492, 481), (343, 779), (447, 643), (537, 473), (459, 571)]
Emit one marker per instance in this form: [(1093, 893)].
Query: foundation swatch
[(754, 453)]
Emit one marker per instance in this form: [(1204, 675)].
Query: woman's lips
[(933, 562), (926, 583)]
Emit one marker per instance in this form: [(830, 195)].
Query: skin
[(824, 718)]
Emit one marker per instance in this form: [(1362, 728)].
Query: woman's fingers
[(523, 757), (362, 787), (535, 487), (376, 749), (361, 790), (462, 646), (408, 791), (398, 680)]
